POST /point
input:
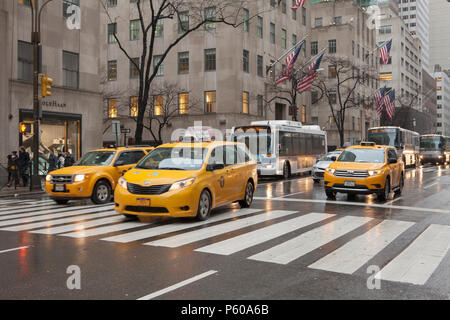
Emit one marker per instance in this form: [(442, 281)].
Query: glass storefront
[(60, 132)]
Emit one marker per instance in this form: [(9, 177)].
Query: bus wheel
[(286, 170)]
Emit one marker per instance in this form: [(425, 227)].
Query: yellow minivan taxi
[(188, 180), (94, 176), (365, 169)]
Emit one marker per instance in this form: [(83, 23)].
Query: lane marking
[(430, 185), (262, 235), (354, 254), (358, 204), (104, 230), (12, 210), (79, 226), (177, 226), (299, 246), (209, 232), (178, 285), (14, 249), (394, 200), (17, 214), (290, 194), (53, 216), (420, 259), (60, 221)]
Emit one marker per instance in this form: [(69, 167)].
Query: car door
[(233, 172), (394, 167), (218, 178)]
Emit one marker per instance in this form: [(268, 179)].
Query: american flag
[(290, 61), (385, 52), (298, 4), (379, 97), (315, 64), (389, 102), (306, 82)]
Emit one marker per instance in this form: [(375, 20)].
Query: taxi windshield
[(186, 158), (362, 155), (96, 158)]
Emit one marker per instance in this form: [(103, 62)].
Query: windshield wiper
[(172, 169)]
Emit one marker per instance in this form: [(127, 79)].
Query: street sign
[(125, 130)]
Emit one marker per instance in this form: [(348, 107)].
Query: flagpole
[(286, 53), (311, 59)]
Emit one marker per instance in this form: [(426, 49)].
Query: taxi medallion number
[(59, 187), (143, 202), (349, 183)]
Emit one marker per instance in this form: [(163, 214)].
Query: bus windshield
[(431, 144), (258, 140), (385, 137)]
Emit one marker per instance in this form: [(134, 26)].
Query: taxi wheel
[(384, 194), (61, 201), (204, 206), (102, 192), (400, 187), (248, 199)]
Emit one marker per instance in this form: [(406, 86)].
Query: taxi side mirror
[(333, 158), (392, 160)]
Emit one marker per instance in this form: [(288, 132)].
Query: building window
[(283, 6), (283, 38), (210, 101), (294, 12), (66, 5), (304, 16), (303, 119), (112, 70), (246, 20), (112, 3), (314, 48), (134, 106), (272, 33), (260, 102), (331, 46), (318, 22), (294, 39), (134, 29), (260, 27), (338, 20), (210, 14), (332, 96), (112, 30), (134, 72), (183, 103), (245, 58), (260, 64), (25, 61), (70, 69), (159, 30), (332, 72), (112, 108), (183, 23), (156, 60), (158, 105), (245, 102), (183, 62), (210, 59)]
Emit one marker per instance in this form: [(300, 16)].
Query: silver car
[(318, 169)]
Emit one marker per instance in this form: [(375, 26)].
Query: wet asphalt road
[(291, 244)]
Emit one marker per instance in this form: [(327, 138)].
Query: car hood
[(157, 177), (323, 164), (356, 166), (77, 170)]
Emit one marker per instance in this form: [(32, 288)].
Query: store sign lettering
[(53, 103)]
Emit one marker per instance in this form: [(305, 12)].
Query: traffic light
[(46, 86), (25, 128)]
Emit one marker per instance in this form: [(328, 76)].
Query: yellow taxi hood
[(361, 166), (139, 176), (77, 170)]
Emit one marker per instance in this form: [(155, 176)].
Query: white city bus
[(282, 147), (434, 148), (405, 141)]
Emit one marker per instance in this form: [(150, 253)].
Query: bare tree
[(340, 87), (190, 15)]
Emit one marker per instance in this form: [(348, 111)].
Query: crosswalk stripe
[(354, 254), (177, 226), (31, 212), (53, 215), (262, 235), (420, 259), (105, 230), (295, 248), (22, 202), (208, 232), (60, 221), (11, 210), (79, 226)]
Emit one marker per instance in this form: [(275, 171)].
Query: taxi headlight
[(182, 184), (48, 177), (79, 177), (331, 171), (123, 182), (375, 172)]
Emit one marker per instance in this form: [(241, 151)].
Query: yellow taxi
[(188, 180), (94, 176), (365, 169)]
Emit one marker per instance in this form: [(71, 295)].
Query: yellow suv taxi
[(94, 176), (188, 180), (365, 169)]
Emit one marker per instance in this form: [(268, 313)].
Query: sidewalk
[(20, 192)]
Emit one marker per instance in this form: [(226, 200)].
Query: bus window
[(309, 145)]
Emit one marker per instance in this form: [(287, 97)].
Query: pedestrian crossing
[(281, 237)]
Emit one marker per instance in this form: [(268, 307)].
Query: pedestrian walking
[(24, 165), (68, 159), (60, 160), (52, 161), (13, 169)]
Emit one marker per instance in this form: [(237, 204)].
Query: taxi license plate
[(143, 202), (349, 183), (59, 187)]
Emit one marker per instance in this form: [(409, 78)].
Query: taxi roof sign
[(368, 144)]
